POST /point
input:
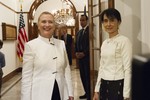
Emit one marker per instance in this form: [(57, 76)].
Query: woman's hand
[(126, 98), (71, 98), (96, 96)]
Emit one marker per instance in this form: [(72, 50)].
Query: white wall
[(10, 3), (79, 4), (9, 47), (26, 4), (145, 26), (131, 21)]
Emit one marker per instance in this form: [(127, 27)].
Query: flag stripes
[(22, 37)]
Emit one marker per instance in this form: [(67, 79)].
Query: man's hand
[(80, 55)]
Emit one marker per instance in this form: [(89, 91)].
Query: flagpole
[(22, 36)]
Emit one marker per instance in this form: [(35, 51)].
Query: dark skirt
[(111, 90)]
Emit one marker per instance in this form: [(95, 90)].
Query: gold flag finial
[(20, 7), (21, 1)]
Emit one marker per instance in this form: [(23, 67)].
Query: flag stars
[(22, 37)]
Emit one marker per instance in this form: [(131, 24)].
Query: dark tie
[(80, 36)]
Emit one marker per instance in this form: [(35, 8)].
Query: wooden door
[(94, 10)]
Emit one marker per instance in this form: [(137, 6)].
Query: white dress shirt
[(115, 62)]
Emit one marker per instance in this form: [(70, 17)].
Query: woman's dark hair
[(111, 13)]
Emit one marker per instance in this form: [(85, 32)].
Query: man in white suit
[(46, 72)]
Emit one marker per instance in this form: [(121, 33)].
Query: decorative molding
[(7, 7), (11, 8)]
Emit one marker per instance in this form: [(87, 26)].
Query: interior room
[(135, 25)]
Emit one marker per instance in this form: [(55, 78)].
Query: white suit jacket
[(44, 62)]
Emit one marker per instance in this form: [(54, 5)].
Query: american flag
[(22, 37)]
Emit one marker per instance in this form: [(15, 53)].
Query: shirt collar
[(50, 40), (85, 27), (112, 38)]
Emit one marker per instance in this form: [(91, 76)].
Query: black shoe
[(82, 97)]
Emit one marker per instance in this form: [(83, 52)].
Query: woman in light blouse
[(114, 77)]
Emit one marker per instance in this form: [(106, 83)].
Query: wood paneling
[(11, 75)]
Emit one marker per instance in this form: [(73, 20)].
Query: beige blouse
[(115, 62)]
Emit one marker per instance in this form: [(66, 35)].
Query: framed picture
[(9, 32)]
